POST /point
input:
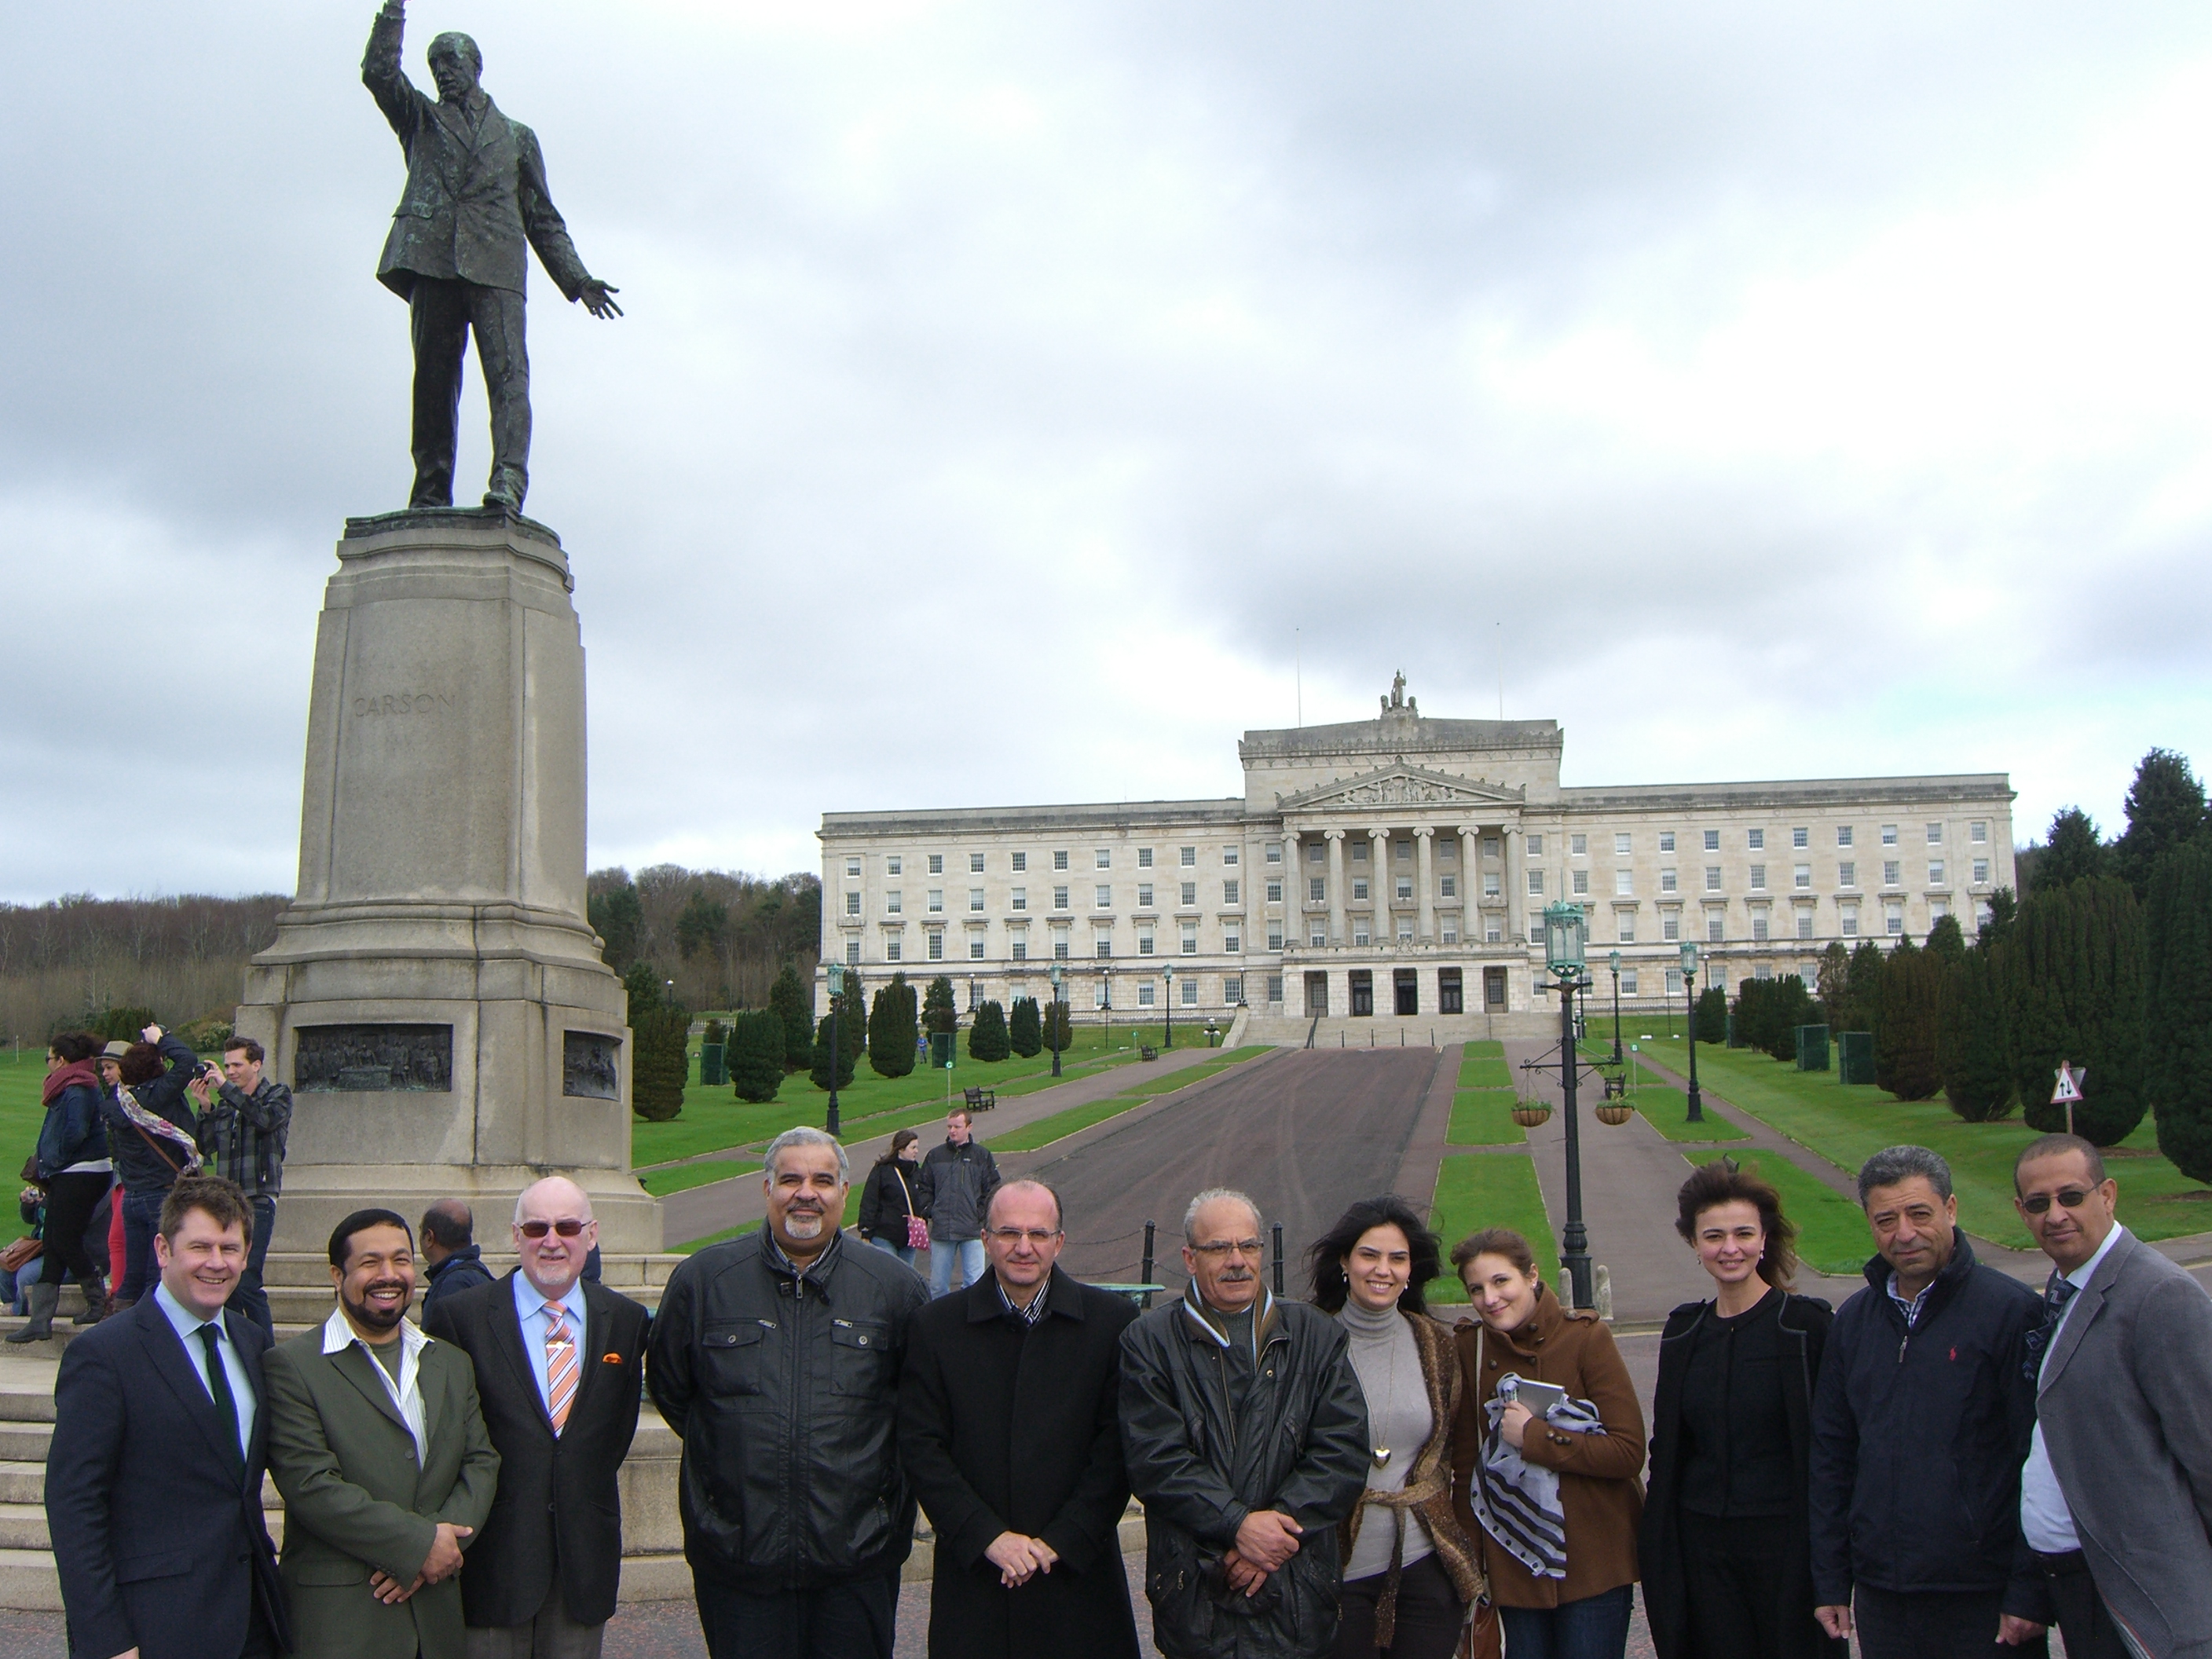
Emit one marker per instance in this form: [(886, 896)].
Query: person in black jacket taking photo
[(1726, 1550), (887, 1203), (153, 1135), (1920, 1424)]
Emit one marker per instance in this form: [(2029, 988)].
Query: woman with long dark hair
[(71, 1165), (887, 1212), (1728, 1559), (1409, 1569), (1546, 1481)]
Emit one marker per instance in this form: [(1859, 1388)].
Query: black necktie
[(226, 1403), (2055, 1295)]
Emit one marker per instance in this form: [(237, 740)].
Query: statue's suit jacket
[(355, 1502), (475, 200), (2125, 1406)]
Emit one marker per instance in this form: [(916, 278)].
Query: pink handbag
[(917, 1229)]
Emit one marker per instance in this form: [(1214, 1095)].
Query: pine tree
[(1975, 1039), (1834, 983), (1906, 1058), (986, 1033), (892, 1031), (937, 1014), (788, 1000), (756, 1046), (1712, 1015), (1947, 940), (1058, 1026), (2071, 852), (2179, 1049), (1862, 987), (617, 917), (2004, 908), (820, 1074), (2077, 992), (1792, 1006), (659, 1061), (1025, 1029), (2166, 810), (852, 1019)]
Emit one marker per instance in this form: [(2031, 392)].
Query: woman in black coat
[(887, 1200), (1726, 1548)]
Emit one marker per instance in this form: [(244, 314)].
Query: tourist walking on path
[(888, 1219), (1920, 1422), (153, 1135), (1727, 1551), (776, 1359), (1247, 1442), (2116, 1498), (1010, 1434), (953, 1189), (1409, 1570), (72, 1164), (245, 1119), (1553, 1496)]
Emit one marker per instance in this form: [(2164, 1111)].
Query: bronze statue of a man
[(475, 194)]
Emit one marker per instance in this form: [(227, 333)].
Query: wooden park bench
[(1147, 1052), (979, 1100)]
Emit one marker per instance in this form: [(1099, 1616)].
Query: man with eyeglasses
[(2116, 1496), (1008, 1430), (1245, 1433), (776, 1358), (560, 1364)]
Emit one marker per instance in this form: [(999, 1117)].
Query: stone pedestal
[(434, 996)]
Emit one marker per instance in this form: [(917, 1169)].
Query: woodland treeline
[(722, 935), (71, 958)]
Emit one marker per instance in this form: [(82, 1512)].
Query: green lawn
[(1479, 1048), (1847, 1124), (1484, 1118), (1480, 1190), (1484, 1070), (682, 1177), (1667, 1110), (1061, 1125), (21, 1075), (1831, 1231)]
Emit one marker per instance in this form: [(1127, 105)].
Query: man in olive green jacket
[(378, 1445)]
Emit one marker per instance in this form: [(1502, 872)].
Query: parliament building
[(1396, 870)]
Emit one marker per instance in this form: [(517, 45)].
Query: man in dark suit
[(153, 1475), (378, 1445), (2116, 1496), (560, 1364), (475, 202), (1009, 1432)]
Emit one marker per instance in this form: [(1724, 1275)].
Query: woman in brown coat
[(1544, 1477), (1410, 1569)]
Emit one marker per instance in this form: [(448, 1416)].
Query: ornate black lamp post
[(1690, 997), (1564, 926), (1054, 974), (1613, 960), (1168, 1041), (837, 1052)]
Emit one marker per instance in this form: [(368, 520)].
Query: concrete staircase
[(1392, 1030)]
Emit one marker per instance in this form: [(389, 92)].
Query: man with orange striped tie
[(560, 1367)]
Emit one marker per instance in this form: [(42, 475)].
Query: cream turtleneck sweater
[(1388, 1366)]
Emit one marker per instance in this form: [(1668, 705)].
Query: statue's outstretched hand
[(597, 298)]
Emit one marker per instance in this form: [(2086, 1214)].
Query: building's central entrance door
[(1363, 993), (1406, 983), (1317, 995), (1449, 995)]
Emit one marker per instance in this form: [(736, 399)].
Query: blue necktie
[(2055, 1295), (226, 1403)]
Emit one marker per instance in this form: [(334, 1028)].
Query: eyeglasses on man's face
[(1038, 1237), (1217, 1249), (539, 1229), (2072, 1198)]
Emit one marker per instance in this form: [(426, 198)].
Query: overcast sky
[(1010, 395)]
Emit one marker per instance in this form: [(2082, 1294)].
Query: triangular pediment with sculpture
[(1402, 784)]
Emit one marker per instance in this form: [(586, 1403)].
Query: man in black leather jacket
[(1245, 1434), (776, 1358)]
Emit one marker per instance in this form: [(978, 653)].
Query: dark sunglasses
[(539, 1229), (2072, 1197)]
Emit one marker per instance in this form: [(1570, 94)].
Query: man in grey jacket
[(953, 1190), (2116, 1496)]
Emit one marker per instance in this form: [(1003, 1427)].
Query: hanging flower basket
[(1532, 1114), (1615, 1112)]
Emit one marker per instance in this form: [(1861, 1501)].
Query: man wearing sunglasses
[(560, 1365), (2116, 1496)]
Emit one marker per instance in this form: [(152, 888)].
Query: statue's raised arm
[(475, 202)]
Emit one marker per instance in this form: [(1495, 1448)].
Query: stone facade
[(1272, 899)]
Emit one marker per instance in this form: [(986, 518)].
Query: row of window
[(895, 863), (1801, 837), (1801, 878)]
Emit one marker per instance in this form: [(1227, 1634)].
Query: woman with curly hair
[(1409, 1570), (1728, 1559)]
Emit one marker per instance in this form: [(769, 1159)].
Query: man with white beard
[(775, 1357)]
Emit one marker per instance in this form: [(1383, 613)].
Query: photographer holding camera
[(244, 1119)]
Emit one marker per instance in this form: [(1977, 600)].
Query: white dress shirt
[(2045, 1520), (407, 1393), (529, 1307), (188, 1326)]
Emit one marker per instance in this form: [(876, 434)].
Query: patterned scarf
[(1518, 1502), (153, 1123)]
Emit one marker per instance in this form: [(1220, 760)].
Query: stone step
[(28, 1581)]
